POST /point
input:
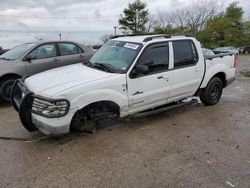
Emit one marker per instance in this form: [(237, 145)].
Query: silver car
[(31, 58), (229, 49), (207, 52)]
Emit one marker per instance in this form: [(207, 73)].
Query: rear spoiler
[(221, 55)]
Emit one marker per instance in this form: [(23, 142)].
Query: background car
[(35, 57), (207, 52), (3, 51), (229, 49), (245, 50)]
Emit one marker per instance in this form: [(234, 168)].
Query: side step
[(164, 109)]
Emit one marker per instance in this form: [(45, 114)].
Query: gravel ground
[(192, 146)]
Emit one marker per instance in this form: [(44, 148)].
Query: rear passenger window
[(68, 48), (184, 53), (156, 58)]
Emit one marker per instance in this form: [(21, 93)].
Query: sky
[(85, 21)]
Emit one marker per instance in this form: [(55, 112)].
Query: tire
[(212, 93), (5, 89)]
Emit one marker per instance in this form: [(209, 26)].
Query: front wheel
[(5, 89), (212, 93)]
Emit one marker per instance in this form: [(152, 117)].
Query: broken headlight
[(50, 109)]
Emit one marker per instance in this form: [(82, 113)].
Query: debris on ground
[(245, 73), (230, 184)]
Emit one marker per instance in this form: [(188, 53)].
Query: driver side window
[(44, 51), (156, 58)]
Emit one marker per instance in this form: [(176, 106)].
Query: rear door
[(151, 89), (188, 70), (45, 59), (70, 53)]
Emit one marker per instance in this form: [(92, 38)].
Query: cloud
[(73, 15)]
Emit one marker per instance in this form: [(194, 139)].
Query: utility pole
[(115, 27), (60, 36), (137, 18)]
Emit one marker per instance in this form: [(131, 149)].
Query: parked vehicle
[(128, 75), (245, 50), (226, 50), (207, 52), (35, 57), (2, 51)]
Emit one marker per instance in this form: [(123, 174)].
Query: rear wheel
[(212, 93)]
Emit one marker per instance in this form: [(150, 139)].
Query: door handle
[(56, 60), (163, 77), (138, 93), (81, 56), (197, 70)]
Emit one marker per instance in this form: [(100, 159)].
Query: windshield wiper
[(105, 67), (88, 63), (5, 58)]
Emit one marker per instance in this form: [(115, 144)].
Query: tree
[(134, 18), (225, 29), (152, 22), (190, 19)]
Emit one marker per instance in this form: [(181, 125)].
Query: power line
[(58, 17)]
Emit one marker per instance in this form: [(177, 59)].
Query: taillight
[(235, 60)]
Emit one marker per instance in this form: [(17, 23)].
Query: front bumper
[(22, 100)]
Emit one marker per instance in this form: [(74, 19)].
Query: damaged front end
[(22, 100), (27, 103)]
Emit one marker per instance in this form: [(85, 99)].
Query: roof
[(147, 38), (49, 41)]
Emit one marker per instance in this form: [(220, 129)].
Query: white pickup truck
[(128, 75)]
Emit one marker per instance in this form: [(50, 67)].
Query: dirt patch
[(245, 73)]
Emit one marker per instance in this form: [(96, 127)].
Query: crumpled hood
[(54, 81)]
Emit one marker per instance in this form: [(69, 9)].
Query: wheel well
[(9, 76), (222, 76), (102, 104), (108, 104)]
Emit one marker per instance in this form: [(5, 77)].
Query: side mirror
[(139, 69), (142, 69), (30, 57)]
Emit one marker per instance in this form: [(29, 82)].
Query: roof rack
[(149, 38), (130, 35)]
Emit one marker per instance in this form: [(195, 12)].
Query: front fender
[(101, 95)]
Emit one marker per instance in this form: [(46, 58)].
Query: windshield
[(221, 48), (116, 54), (17, 51)]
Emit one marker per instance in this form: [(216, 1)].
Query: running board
[(164, 109)]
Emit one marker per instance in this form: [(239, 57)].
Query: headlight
[(50, 109)]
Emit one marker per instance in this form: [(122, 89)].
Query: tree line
[(206, 20)]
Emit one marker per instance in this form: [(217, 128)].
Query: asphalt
[(191, 146)]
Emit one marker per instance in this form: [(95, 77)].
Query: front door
[(45, 59), (153, 88)]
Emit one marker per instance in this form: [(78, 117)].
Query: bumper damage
[(22, 100)]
